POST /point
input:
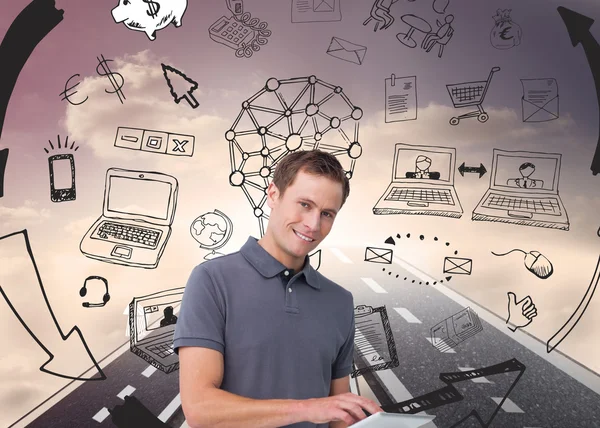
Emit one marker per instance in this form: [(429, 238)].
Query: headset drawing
[(83, 292)]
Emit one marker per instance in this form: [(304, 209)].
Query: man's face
[(527, 171), (308, 207)]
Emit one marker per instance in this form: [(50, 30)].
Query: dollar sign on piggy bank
[(149, 16)]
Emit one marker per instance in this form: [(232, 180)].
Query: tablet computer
[(393, 420)]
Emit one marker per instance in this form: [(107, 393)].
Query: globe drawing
[(212, 230)]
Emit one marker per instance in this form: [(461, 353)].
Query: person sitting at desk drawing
[(526, 169), (442, 36), (422, 165), (169, 317)]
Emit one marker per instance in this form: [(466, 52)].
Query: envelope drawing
[(458, 265), (540, 100), (324, 5), (378, 255), (347, 51)]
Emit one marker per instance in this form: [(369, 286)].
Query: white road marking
[(101, 415), (508, 406), (149, 371), (448, 351), (373, 285), (128, 390), (170, 409), (477, 379), (407, 315), (341, 256), (126, 312)]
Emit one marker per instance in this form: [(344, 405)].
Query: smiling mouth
[(303, 237)]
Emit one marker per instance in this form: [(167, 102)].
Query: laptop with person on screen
[(524, 190), (138, 211), (422, 183)]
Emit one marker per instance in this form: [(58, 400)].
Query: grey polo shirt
[(281, 335)]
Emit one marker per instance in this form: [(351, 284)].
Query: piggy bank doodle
[(149, 15)]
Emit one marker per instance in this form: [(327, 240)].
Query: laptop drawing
[(422, 183), (524, 190), (152, 322), (139, 207)]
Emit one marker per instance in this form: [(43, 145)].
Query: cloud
[(26, 213), (148, 105), (80, 226), (11, 265), (19, 394)]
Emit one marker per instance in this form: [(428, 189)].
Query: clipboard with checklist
[(400, 98), (374, 347)]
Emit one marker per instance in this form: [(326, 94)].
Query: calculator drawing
[(231, 33)]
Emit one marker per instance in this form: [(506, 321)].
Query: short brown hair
[(315, 162)]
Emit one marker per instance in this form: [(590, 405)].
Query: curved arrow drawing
[(570, 324), (449, 394), (578, 26), (21, 288), (34, 23), (3, 160)]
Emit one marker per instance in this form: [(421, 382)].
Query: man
[(263, 339), (526, 169)]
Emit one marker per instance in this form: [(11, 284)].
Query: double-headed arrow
[(578, 27), (476, 169)]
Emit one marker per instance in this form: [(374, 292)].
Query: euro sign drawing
[(503, 33), (153, 8)]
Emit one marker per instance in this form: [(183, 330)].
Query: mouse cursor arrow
[(578, 27)]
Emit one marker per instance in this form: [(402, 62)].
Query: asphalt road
[(545, 396)]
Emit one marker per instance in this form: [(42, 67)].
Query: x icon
[(179, 145)]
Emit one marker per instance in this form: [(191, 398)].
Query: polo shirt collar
[(268, 266)]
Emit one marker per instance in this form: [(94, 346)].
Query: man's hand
[(346, 407)]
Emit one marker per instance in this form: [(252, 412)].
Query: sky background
[(36, 115)]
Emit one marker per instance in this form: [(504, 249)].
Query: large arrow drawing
[(578, 27), (34, 23), (449, 394), (570, 324), (34, 307), (3, 160)]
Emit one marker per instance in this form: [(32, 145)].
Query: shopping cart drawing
[(470, 94)]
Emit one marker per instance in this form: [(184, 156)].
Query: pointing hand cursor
[(521, 312)]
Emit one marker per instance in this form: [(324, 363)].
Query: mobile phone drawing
[(62, 177)]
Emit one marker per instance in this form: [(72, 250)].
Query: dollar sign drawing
[(111, 77), (503, 33), (153, 8)]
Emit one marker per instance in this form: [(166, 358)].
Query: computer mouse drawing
[(535, 262), (538, 264)]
